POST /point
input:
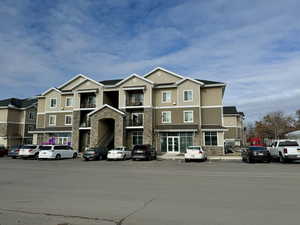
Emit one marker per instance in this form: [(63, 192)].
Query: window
[(166, 96), (31, 115), (166, 117), (53, 102), (69, 101), (188, 116), (211, 138), (137, 119), (52, 120), (188, 95), (68, 120), (137, 138)]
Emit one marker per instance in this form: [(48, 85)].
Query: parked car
[(29, 151), (285, 150), (255, 153), (145, 152), (195, 153), (57, 152), (95, 154), (120, 153), (14, 151), (3, 151)]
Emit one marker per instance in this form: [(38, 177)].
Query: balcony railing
[(86, 123), (134, 123), (87, 105), (134, 103)]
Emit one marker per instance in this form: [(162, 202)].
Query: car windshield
[(289, 143), (91, 150), (120, 149), (28, 146), (257, 148), (194, 148), (45, 147)]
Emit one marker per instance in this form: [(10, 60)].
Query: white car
[(29, 151), (121, 153), (57, 152), (195, 153)]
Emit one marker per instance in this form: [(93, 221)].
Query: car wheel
[(249, 160), (74, 156), (36, 156), (100, 157), (14, 157), (282, 160), (186, 160), (58, 157)]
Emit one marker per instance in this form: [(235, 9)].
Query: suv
[(256, 153), (29, 151), (57, 152), (145, 152), (95, 154)]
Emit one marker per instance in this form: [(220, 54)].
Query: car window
[(29, 146), (257, 148), (45, 147), (61, 147), (194, 148), (288, 143)]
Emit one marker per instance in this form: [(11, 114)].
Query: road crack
[(122, 220)]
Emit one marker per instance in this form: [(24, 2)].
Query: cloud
[(253, 46)]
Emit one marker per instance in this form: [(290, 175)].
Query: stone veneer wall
[(148, 127), (75, 130), (214, 150)]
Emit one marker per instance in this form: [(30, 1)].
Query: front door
[(173, 144)]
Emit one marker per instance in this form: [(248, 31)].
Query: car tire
[(282, 160), (36, 156), (100, 157), (249, 160), (74, 156), (58, 157), (14, 157), (186, 160)]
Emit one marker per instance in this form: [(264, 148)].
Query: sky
[(253, 46)]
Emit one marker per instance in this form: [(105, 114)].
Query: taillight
[(200, 151), (30, 150), (17, 150), (285, 150)]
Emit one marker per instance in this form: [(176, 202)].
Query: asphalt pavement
[(167, 192)]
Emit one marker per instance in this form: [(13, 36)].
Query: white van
[(57, 152)]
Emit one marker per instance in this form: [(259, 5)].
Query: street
[(168, 192)]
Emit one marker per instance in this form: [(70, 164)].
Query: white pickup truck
[(285, 150)]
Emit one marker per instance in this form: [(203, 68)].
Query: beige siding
[(160, 76), (50, 95), (16, 116), (230, 121), (157, 97), (63, 102), (188, 85), (71, 85), (41, 105), (40, 121), (211, 116), (3, 115), (211, 96), (60, 119)]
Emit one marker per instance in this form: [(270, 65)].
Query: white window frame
[(51, 101), (189, 111), (162, 117), (52, 116), (66, 119), (67, 101), (184, 95), (162, 96)]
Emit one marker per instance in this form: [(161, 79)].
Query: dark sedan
[(95, 154), (145, 152), (14, 152), (256, 154)]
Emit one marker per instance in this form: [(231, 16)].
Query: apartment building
[(161, 108), (17, 118), (234, 122)]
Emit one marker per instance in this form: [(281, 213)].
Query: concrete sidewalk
[(181, 157)]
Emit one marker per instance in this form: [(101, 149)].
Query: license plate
[(193, 156), (260, 153), (298, 156)]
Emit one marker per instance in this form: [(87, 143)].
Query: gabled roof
[(18, 103), (51, 89), (190, 79), (134, 75), (77, 76), (230, 110), (104, 106), (208, 82), (165, 70)]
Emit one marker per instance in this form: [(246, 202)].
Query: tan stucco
[(188, 85), (157, 97), (16, 116), (40, 123), (176, 115), (74, 83), (60, 119), (50, 95), (211, 96), (3, 115), (41, 105), (230, 121), (160, 77), (211, 116)]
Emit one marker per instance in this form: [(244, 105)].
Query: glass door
[(173, 144)]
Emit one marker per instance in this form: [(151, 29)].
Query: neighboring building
[(17, 118), (234, 122), (162, 108), (294, 135)]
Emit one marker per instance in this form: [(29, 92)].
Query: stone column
[(148, 126), (75, 130)]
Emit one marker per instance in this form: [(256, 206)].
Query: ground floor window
[(176, 141), (211, 138), (137, 137), (59, 139)]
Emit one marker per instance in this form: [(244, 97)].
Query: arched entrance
[(106, 133)]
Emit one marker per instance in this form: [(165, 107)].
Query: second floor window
[(188, 95), (52, 120), (166, 117), (166, 97), (68, 120), (69, 101), (53, 102), (188, 116)]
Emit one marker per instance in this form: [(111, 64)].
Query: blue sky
[(253, 46)]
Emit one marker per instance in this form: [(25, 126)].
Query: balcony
[(85, 123), (88, 101), (136, 121), (135, 98)]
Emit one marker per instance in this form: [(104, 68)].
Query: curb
[(210, 158)]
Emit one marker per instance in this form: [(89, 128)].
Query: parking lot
[(169, 192)]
